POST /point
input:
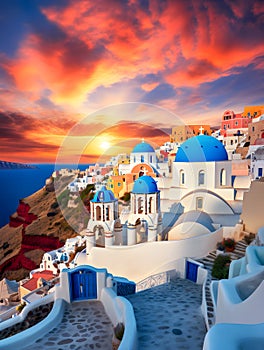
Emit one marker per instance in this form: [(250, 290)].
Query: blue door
[(83, 285), (191, 271)]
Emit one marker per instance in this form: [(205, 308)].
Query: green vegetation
[(54, 205), (221, 266), (87, 193), (249, 238), (20, 307), (229, 243), (126, 197), (63, 198), (119, 330)]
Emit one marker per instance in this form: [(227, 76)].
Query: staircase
[(208, 262)]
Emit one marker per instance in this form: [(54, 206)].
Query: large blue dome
[(145, 184), (103, 195), (143, 147), (201, 148)]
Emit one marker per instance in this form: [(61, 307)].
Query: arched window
[(223, 177), (150, 205), (140, 205), (201, 178), (98, 213), (107, 213), (182, 177)]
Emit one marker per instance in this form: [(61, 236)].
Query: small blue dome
[(145, 184), (104, 195), (201, 148), (143, 147)]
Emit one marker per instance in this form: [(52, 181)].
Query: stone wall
[(32, 318)]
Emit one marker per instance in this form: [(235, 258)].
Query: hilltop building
[(181, 133), (253, 111)]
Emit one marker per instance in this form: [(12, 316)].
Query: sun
[(105, 145)]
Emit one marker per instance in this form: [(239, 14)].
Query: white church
[(201, 178), (201, 184), (142, 223)]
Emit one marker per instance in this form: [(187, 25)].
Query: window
[(253, 128), (150, 159), (231, 142), (223, 177), (199, 203), (182, 177), (107, 213), (201, 178), (119, 184), (260, 171), (142, 158), (236, 123), (140, 205)]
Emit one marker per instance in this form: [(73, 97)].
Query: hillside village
[(141, 221)]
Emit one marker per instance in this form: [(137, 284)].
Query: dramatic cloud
[(30, 137), (73, 57)]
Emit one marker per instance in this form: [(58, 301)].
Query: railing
[(154, 280)]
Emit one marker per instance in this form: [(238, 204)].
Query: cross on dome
[(201, 130)]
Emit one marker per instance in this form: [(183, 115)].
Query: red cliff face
[(29, 242), (23, 216)]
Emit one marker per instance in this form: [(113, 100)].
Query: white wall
[(232, 309), (211, 203), (127, 261), (119, 309)]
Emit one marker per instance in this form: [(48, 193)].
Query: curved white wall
[(140, 261)]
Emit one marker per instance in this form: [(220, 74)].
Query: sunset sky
[(64, 60)]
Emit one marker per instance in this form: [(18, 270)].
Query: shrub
[(119, 330), (221, 266), (249, 238), (126, 197), (229, 242), (54, 205), (20, 307)]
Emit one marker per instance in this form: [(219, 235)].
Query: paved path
[(85, 325), (169, 316)]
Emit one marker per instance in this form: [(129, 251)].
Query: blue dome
[(145, 184), (143, 147), (104, 195), (201, 148)]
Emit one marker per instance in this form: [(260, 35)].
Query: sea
[(16, 184)]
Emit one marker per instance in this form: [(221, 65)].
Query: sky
[(66, 62)]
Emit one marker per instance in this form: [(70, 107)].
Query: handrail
[(154, 280)]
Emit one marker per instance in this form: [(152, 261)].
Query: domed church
[(142, 223), (143, 161), (201, 177)]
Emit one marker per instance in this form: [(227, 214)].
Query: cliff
[(37, 226), (12, 165)]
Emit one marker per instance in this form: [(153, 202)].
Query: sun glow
[(105, 145)]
